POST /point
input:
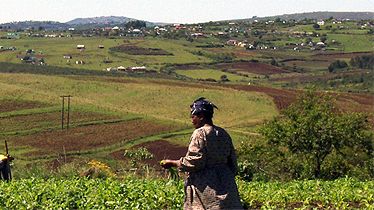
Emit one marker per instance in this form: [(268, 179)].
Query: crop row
[(136, 193)]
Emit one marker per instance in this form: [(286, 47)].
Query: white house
[(321, 23), (121, 68), (81, 46)]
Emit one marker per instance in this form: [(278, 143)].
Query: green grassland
[(53, 50), (155, 100), (144, 96), (210, 74), (152, 99), (354, 43)]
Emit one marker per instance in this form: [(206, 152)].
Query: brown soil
[(135, 50), (282, 98), (90, 137), (252, 67), (239, 52), (11, 105), (160, 149)]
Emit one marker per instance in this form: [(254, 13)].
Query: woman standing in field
[(210, 163)]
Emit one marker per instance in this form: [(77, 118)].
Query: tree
[(313, 128), (337, 65), (135, 24), (316, 26)]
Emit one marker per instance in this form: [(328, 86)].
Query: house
[(136, 68), (121, 68), (101, 46), (197, 35), (242, 44), (68, 56), (115, 28), (232, 42), (80, 46), (111, 69), (79, 62), (321, 23)]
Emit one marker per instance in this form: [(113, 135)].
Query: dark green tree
[(316, 26), (337, 65), (313, 128)]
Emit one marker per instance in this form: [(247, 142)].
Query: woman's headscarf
[(202, 106)]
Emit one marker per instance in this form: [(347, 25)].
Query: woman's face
[(197, 120)]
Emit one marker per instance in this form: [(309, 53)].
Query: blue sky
[(170, 11)]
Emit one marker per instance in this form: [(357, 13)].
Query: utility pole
[(63, 111)]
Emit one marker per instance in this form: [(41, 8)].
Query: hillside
[(104, 20), (320, 16)]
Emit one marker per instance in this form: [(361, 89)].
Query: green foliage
[(337, 65), (135, 193), (312, 129), (137, 155), (135, 24), (140, 154), (82, 193), (363, 62)]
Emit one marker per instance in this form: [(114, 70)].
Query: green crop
[(136, 193)]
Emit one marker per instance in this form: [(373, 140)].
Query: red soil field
[(160, 149), (11, 105), (90, 137), (252, 67)]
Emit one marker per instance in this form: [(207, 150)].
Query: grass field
[(140, 110), (354, 43), (53, 50), (211, 74)]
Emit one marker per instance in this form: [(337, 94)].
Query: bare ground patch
[(160, 149), (136, 50), (252, 67), (13, 105), (90, 137)]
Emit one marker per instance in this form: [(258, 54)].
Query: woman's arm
[(195, 157)]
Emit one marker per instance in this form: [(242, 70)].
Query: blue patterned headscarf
[(202, 106)]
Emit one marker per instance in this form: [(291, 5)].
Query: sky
[(170, 11)]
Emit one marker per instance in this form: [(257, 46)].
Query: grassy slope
[(53, 49), (210, 73), (140, 96)]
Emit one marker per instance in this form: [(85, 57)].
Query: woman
[(210, 163)]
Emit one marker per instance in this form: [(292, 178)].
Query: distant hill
[(103, 20), (78, 23), (43, 25), (320, 15)]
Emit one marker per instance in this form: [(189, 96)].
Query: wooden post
[(68, 112), (62, 112)]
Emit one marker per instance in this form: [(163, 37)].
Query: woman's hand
[(169, 163)]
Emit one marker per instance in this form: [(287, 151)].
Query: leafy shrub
[(363, 62), (337, 65)]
